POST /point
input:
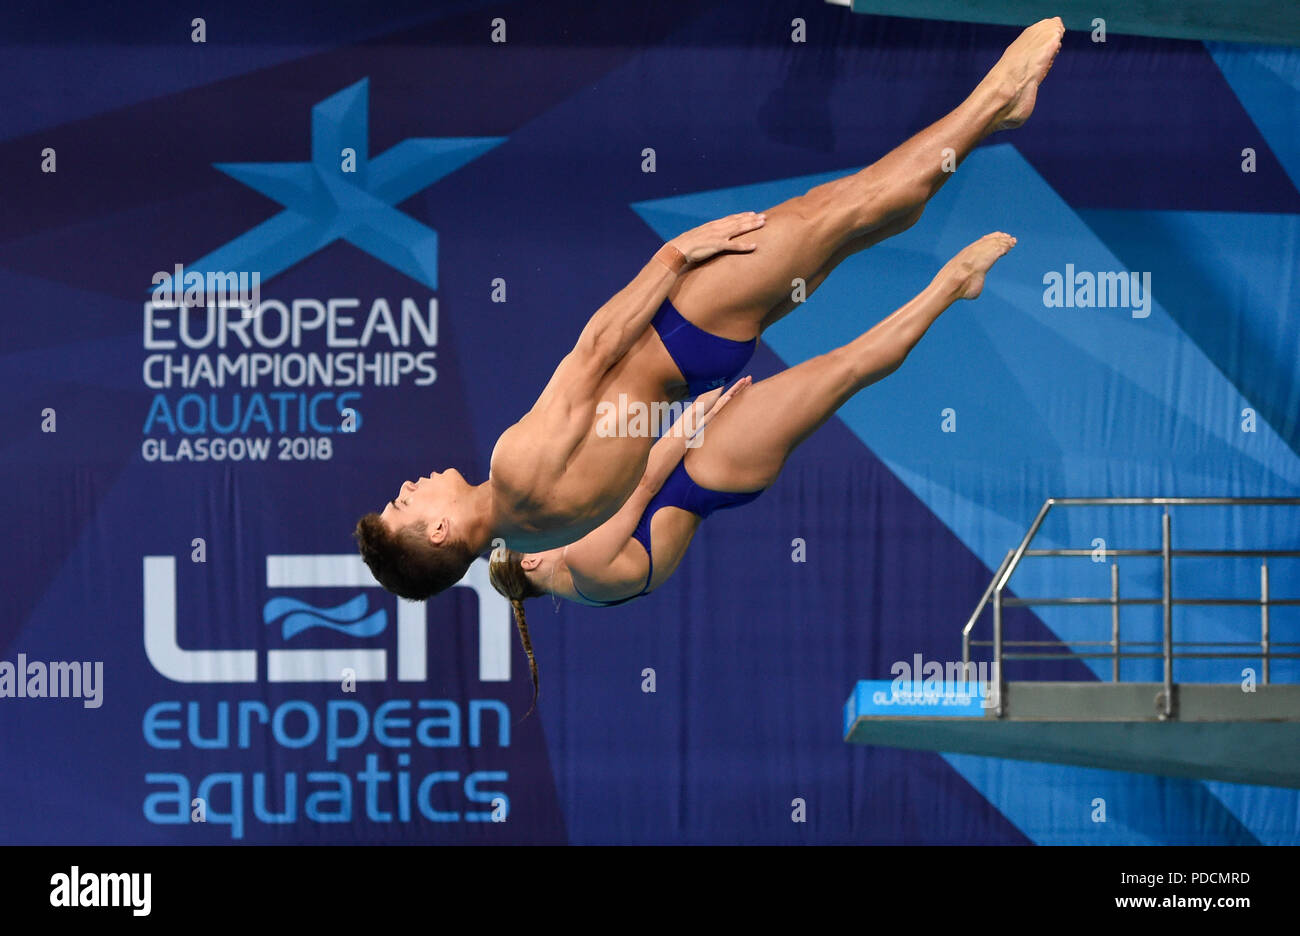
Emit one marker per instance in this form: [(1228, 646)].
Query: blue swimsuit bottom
[(707, 361), (680, 490)]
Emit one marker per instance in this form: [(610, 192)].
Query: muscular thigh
[(732, 294), (854, 244), (744, 447)]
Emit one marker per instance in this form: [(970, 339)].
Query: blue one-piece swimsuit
[(707, 361), (680, 490)]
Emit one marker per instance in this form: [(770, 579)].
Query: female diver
[(688, 476)]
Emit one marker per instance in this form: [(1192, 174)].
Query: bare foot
[(1022, 67), (967, 269)]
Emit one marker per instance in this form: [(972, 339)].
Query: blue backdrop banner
[(428, 202)]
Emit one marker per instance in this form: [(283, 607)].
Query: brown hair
[(406, 563), (507, 575)]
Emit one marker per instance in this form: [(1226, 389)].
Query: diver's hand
[(707, 412), (725, 235)]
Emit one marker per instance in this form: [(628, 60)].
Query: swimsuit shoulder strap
[(597, 602), (677, 491)]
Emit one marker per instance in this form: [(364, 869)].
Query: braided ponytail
[(507, 576), (522, 624)]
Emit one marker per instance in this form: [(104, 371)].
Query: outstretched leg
[(744, 448), (843, 252), (737, 295)]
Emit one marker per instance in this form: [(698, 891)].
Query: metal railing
[(1265, 650)]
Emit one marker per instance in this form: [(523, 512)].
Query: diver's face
[(430, 498)]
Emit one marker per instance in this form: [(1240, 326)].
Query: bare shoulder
[(508, 457), (599, 574), (611, 570), (520, 462)]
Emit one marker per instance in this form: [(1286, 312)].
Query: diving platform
[(1235, 731), (1222, 733)]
